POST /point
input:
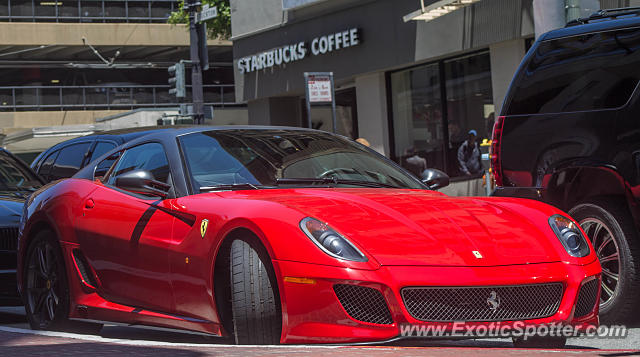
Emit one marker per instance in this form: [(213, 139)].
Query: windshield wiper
[(331, 181), (228, 187)]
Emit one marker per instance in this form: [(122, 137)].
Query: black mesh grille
[(363, 304), (587, 298), (9, 238), (491, 303)]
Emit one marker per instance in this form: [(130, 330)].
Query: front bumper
[(313, 314), (8, 286)]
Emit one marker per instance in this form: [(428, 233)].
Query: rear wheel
[(46, 290), (255, 303), (612, 233)]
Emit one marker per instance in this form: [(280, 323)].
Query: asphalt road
[(17, 339)]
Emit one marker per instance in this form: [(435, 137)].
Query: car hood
[(10, 210), (420, 227)]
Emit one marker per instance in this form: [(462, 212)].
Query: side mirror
[(142, 182), (435, 179)]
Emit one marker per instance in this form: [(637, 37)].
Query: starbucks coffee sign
[(297, 51)]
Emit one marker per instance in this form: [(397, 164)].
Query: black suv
[(569, 135)]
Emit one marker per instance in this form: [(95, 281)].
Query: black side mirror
[(435, 179), (142, 182)]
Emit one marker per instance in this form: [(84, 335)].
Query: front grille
[(490, 303), (587, 298), (363, 304), (9, 238)]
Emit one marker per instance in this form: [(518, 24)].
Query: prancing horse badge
[(203, 227)]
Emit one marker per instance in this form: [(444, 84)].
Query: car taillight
[(496, 166)]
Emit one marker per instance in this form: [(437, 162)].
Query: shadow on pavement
[(20, 345)]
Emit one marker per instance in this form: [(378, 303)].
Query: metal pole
[(333, 104), (306, 92), (197, 93)]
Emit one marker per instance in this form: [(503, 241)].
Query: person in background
[(469, 156)]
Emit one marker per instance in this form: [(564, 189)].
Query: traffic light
[(177, 85)]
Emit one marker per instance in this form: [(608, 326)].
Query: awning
[(437, 9)]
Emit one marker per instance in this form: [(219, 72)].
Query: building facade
[(50, 74), (408, 87)]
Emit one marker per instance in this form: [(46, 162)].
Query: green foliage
[(219, 27)]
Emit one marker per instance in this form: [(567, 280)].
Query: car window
[(101, 148), (586, 72), (103, 167), (150, 157), (263, 157), (14, 176), (69, 161), (45, 169)]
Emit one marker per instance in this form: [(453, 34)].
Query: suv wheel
[(613, 235)]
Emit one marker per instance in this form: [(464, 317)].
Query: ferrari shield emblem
[(475, 252), (203, 227)]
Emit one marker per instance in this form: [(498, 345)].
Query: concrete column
[(505, 59), (548, 15), (373, 122)]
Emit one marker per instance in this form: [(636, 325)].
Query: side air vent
[(85, 272)]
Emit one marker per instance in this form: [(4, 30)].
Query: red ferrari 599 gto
[(283, 235)]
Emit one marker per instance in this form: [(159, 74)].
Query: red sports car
[(283, 235)]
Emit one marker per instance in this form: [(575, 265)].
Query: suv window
[(45, 167), (586, 72), (101, 148), (69, 161), (150, 157)]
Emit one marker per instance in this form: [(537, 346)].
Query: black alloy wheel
[(46, 293)]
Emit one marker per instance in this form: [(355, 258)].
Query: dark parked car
[(17, 182), (569, 135), (63, 160)]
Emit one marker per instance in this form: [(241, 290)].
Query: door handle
[(89, 204)]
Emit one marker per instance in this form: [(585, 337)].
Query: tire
[(46, 288), (540, 342), (620, 277), (255, 303)]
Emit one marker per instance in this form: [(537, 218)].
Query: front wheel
[(255, 302), (612, 233)]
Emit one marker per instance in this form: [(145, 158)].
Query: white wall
[(505, 59), (372, 111)]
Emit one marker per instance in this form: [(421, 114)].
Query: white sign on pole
[(207, 13), (319, 89)]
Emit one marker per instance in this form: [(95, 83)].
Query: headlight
[(570, 235), (330, 241)]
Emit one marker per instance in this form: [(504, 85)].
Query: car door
[(126, 236)]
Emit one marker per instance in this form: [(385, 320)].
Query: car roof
[(598, 25), (174, 131)]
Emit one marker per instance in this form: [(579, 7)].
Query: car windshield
[(246, 159), (15, 177)]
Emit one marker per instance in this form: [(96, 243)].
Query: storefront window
[(469, 104), (421, 140), (417, 118)]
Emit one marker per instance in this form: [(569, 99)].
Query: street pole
[(197, 94)]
